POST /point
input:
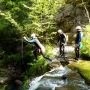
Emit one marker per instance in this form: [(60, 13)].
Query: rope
[(22, 48)]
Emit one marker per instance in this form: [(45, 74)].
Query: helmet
[(78, 28), (60, 31), (33, 35)]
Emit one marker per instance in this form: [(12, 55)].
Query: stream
[(61, 78)]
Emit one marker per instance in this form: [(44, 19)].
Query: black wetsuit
[(78, 42), (62, 41)]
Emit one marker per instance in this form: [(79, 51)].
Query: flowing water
[(61, 78)]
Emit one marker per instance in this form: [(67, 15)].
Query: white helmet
[(33, 35), (60, 31), (78, 28)]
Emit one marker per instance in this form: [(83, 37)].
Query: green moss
[(83, 67)]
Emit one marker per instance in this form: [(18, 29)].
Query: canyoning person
[(39, 48), (62, 42), (78, 44)]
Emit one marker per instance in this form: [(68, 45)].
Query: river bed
[(61, 78)]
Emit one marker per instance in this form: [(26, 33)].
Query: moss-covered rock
[(83, 67)]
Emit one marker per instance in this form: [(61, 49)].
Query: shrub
[(85, 51)]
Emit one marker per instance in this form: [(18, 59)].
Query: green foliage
[(22, 17), (86, 42), (41, 66), (2, 87), (25, 85), (37, 68), (49, 49)]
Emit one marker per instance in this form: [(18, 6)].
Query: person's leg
[(60, 49), (43, 54), (63, 50), (77, 52)]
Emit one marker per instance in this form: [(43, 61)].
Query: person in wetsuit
[(78, 44), (62, 42), (39, 48)]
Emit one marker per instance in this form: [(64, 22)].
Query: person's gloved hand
[(24, 38)]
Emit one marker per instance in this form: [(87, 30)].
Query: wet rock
[(68, 87), (43, 88), (18, 82), (55, 63), (64, 77), (70, 16)]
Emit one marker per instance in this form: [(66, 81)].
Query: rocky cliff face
[(69, 16)]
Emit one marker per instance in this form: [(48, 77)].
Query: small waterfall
[(61, 78), (46, 80), (35, 83), (55, 80)]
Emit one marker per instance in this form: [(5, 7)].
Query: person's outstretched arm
[(28, 40)]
